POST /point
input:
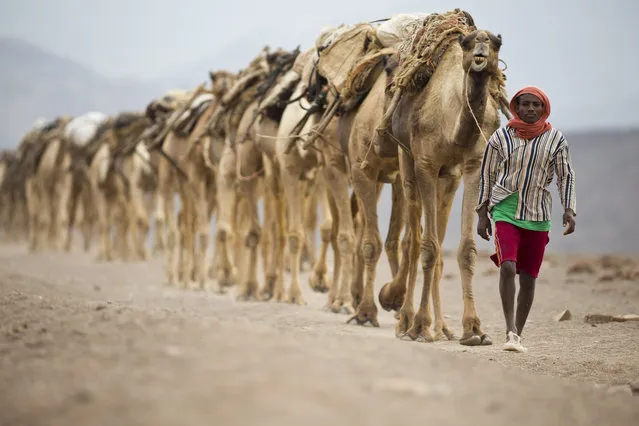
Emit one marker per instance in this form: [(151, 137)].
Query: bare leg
[(524, 299), (507, 272)]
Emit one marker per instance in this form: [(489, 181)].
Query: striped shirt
[(512, 164)]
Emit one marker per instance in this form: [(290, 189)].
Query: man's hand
[(569, 221), (484, 229)]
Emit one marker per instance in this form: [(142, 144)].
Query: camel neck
[(476, 89)]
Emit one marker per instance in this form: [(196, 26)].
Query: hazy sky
[(583, 54)]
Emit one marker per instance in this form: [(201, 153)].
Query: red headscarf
[(530, 130)]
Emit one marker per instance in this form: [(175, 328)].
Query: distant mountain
[(35, 83)]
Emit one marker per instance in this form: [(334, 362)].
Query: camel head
[(221, 82), (481, 51)]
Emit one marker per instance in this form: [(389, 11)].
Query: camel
[(13, 208), (115, 171), (82, 213), (48, 185), (159, 111), (370, 169), (300, 165), (257, 173), (197, 154), (444, 127)]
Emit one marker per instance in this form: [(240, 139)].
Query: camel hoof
[(339, 307), (444, 333), (485, 340), (388, 300), (364, 315), (319, 283), (473, 340), (419, 332), (295, 298)]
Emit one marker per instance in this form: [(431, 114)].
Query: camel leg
[(76, 216), (172, 234), (104, 208), (211, 212), (46, 219), (427, 182), (338, 183), (63, 196), (274, 212), (447, 187), (88, 217), (357, 282), (391, 296), (159, 239), (248, 288), (186, 234), (391, 245), (139, 222), (367, 192), (310, 224), (319, 281), (33, 207), (294, 193), (412, 238), (466, 257), (203, 229), (123, 229), (227, 216)]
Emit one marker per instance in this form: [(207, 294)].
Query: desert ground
[(83, 343)]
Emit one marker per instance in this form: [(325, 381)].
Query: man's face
[(529, 108)]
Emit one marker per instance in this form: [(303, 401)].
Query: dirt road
[(83, 343)]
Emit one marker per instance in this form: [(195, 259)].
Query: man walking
[(519, 163)]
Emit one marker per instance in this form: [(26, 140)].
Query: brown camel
[(444, 127)]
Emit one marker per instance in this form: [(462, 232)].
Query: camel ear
[(496, 41), (212, 76)]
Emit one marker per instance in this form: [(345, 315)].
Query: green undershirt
[(506, 211)]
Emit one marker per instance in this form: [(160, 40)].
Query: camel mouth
[(479, 63)]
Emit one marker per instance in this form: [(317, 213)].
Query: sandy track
[(104, 344)]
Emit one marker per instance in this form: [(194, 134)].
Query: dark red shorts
[(524, 247)]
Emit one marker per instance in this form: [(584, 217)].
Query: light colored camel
[(48, 189), (443, 126), (118, 198), (82, 214), (370, 169), (299, 165), (189, 237), (13, 207)]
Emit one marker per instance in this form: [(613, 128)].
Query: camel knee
[(370, 250), (326, 232), (391, 245), (252, 238), (466, 255), (294, 242), (431, 252), (345, 243), (223, 232)]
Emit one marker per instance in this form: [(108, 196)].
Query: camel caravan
[(409, 101)]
